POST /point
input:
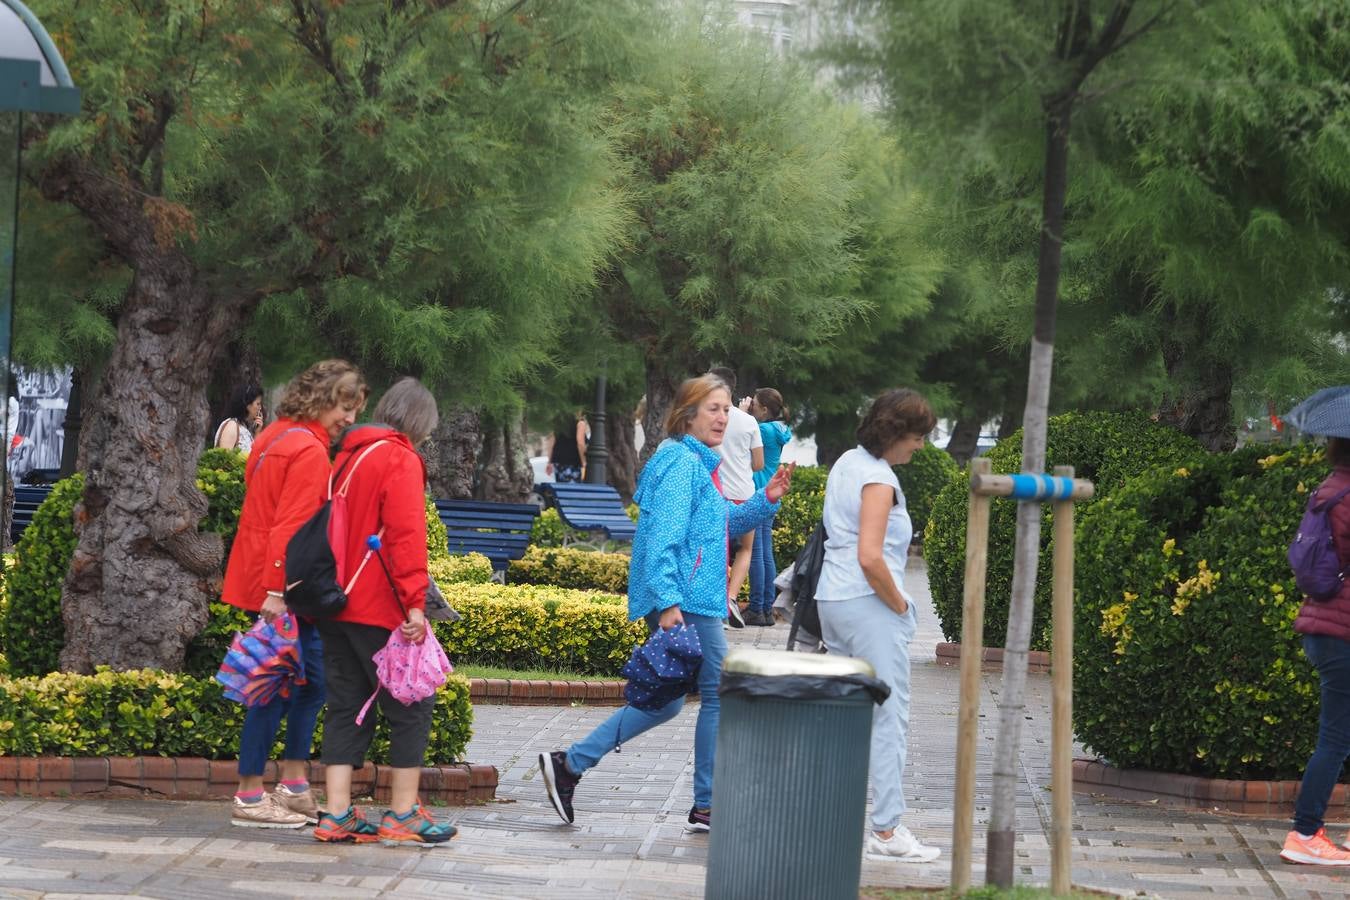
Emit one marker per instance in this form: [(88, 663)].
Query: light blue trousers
[(867, 628), (627, 723)]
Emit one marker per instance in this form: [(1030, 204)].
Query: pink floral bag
[(409, 672)]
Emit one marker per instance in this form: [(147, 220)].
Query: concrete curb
[(193, 778)]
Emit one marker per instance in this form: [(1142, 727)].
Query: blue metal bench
[(27, 498), (590, 508), (499, 531)]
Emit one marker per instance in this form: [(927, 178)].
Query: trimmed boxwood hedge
[(922, 479), (1106, 448), (157, 713), (799, 514), (1185, 657), (571, 567)]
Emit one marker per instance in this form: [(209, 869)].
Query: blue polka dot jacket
[(680, 550)]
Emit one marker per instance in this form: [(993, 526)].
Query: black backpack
[(313, 588), (805, 577)]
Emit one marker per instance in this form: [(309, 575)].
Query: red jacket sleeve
[(404, 514), (303, 490)]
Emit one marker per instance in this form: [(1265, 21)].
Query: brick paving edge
[(518, 692), (1268, 799), (193, 778), (991, 658)]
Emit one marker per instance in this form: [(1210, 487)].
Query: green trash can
[(790, 781)]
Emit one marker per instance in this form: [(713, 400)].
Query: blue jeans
[(1331, 658), (301, 710), (762, 569), (867, 628), (627, 723)]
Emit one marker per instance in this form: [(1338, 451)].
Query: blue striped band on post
[(1041, 487)]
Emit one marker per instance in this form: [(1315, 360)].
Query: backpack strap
[(355, 461), (257, 465)]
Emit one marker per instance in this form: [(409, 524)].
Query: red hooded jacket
[(1332, 617), (285, 482), (387, 490)]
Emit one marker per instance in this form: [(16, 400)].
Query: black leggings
[(350, 670)]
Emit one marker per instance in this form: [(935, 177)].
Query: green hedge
[(1185, 657), (571, 567), (155, 713), (1106, 448), (799, 514), (538, 627), (926, 474)]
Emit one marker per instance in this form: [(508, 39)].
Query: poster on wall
[(37, 420)]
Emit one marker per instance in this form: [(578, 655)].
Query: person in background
[(1325, 626), (386, 495), (767, 407), (243, 419), (567, 457), (864, 611), (742, 452), (677, 577), (285, 483)]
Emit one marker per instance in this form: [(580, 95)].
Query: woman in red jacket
[(385, 484), (1325, 626), (286, 481)]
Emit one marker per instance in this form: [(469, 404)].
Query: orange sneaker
[(350, 827), (1317, 850)]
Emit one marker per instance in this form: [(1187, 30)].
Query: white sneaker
[(902, 846)]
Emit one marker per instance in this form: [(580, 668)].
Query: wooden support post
[(972, 645), (1061, 721)]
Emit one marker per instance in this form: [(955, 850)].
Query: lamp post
[(33, 78), (597, 452)]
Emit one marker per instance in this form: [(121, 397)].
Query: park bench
[(590, 508), (27, 498), (499, 531)]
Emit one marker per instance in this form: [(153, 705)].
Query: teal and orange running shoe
[(350, 827), (415, 827)]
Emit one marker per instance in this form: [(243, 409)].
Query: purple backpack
[(1318, 571)]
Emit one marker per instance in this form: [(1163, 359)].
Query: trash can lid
[(782, 662)]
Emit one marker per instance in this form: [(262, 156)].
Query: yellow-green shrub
[(799, 514), (471, 568), (539, 627), (148, 712), (571, 567)]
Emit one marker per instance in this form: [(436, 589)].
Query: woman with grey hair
[(382, 477)]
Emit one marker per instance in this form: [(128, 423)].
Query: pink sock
[(250, 796), (296, 786)]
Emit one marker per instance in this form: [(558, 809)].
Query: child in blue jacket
[(677, 575)]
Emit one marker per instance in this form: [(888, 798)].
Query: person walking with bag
[(285, 482), (1325, 626), (766, 405), (863, 609), (677, 577), (384, 481)]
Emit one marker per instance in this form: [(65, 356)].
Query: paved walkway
[(629, 840)]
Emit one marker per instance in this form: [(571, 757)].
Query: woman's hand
[(780, 483), (273, 606), (415, 628), (671, 617)]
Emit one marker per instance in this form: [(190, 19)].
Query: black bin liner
[(802, 687)]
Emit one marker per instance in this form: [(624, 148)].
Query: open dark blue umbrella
[(1325, 413)]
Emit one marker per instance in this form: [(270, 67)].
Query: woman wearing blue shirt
[(766, 406), (678, 575)]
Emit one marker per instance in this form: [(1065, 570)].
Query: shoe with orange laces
[(1317, 850), (350, 827), (415, 827)]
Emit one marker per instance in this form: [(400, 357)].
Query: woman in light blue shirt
[(678, 575), (864, 611), (766, 406)]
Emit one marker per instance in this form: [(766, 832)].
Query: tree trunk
[(1008, 422), (142, 574), (1002, 834), (660, 397), (73, 423), (964, 440), (1200, 401), (621, 437), (7, 519), (451, 453), (506, 476)]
